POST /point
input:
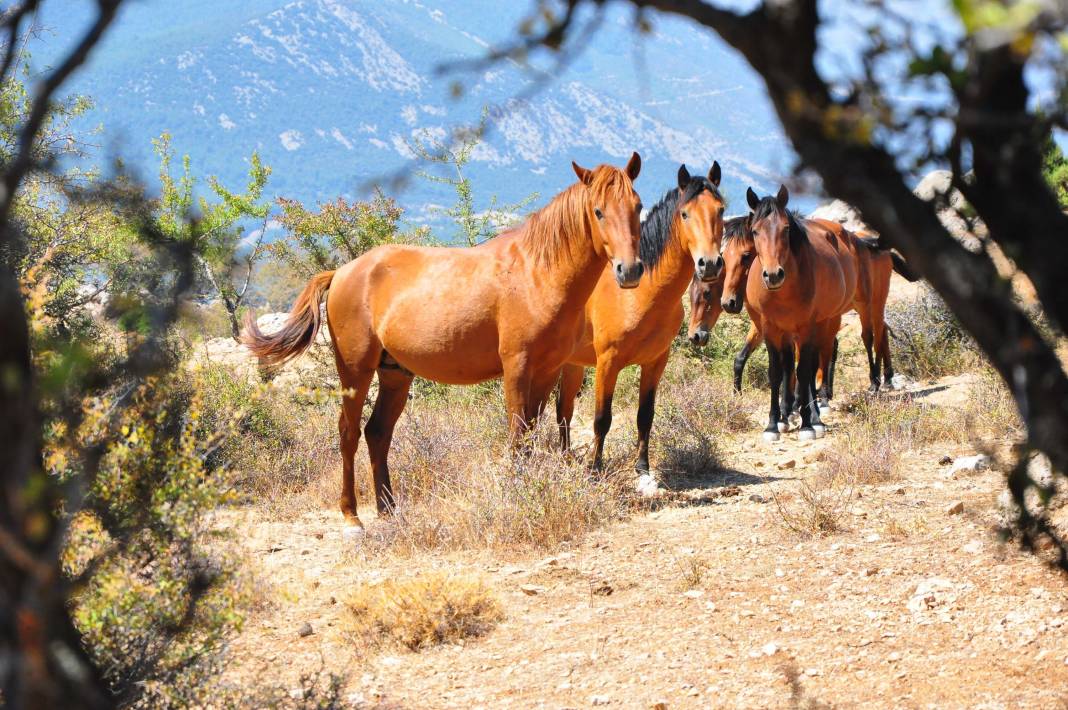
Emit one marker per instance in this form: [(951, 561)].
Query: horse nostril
[(719, 262), (780, 273)]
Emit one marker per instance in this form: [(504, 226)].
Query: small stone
[(894, 657), (603, 589), (532, 589), (693, 593), (757, 498), (599, 700), (305, 630), (659, 706), (871, 571), (693, 692), (945, 461), (973, 548), (787, 464), (811, 672), (647, 486), (955, 509), (770, 648), (899, 491)]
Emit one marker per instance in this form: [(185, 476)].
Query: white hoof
[(771, 436), (353, 532), (782, 427), (806, 435), (825, 410), (821, 430)]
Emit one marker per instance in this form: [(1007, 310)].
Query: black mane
[(769, 206), (656, 230), (733, 228)]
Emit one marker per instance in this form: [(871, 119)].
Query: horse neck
[(674, 270)]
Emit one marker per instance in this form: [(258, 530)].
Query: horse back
[(835, 267)]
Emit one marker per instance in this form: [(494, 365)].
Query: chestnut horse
[(511, 307), (680, 238)]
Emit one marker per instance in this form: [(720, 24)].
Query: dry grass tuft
[(423, 610), (692, 572), (820, 507)]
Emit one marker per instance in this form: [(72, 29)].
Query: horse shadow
[(703, 487)]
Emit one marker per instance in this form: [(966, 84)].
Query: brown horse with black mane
[(680, 240), (511, 307), (812, 271)]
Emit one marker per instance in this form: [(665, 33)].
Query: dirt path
[(709, 604)]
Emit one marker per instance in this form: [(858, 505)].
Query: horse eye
[(639, 208), (721, 211), (685, 214), (746, 256), (597, 211)]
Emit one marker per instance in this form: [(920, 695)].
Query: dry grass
[(458, 487), (692, 572), (423, 610), (821, 506)]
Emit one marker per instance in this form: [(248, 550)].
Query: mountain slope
[(330, 91)]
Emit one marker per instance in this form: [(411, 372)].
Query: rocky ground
[(708, 599)]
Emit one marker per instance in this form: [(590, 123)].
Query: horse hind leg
[(393, 386), (775, 379), (356, 385)]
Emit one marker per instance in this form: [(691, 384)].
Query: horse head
[(771, 227), (699, 221), (613, 209), (738, 253)]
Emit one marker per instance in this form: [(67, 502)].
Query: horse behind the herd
[(540, 302)]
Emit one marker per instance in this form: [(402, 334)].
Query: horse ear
[(634, 166), (715, 174), (684, 177), (584, 175), (751, 198), (783, 196)]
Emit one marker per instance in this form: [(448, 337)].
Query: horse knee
[(602, 422)]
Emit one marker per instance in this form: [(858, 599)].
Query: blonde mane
[(552, 232)]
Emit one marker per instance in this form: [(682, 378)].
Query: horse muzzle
[(628, 275), (774, 279), (700, 338), (732, 305), (708, 270)]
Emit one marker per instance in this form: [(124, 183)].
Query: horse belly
[(446, 338)]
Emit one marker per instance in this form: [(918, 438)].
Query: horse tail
[(900, 265), (299, 330), (903, 269)]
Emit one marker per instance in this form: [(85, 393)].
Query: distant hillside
[(329, 90)]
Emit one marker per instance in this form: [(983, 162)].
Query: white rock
[(647, 486), (353, 532), (979, 462), (770, 648)]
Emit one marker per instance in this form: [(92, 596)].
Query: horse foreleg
[(604, 388), (516, 398), (789, 385), (752, 340), (650, 379), (356, 384), (570, 384), (774, 383), (806, 376), (393, 388)]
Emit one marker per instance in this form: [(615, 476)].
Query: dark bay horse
[(804, 277), (705, 308), (829, 261), (511, 307), (680, 239)]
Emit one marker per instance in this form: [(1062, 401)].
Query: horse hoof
[(353, 531), (771, 436), (782, 426), (806, 435), (820, 430), (825, 410)]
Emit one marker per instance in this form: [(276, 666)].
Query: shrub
[(423, 610), (927, 341)]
